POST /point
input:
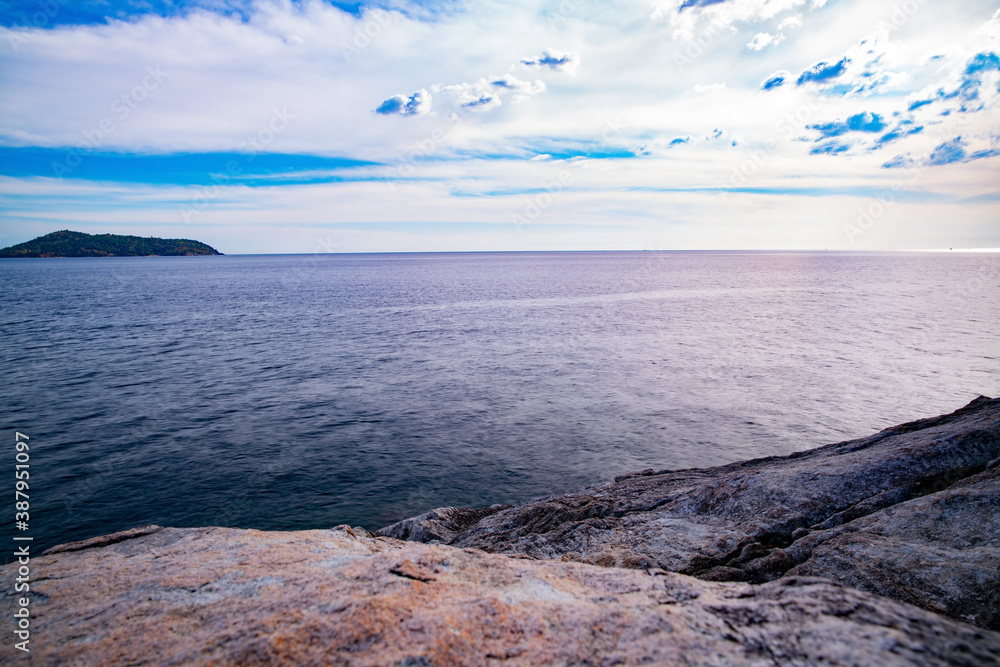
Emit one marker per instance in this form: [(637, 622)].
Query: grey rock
[(940, 552), (438, 525), (909, 513)]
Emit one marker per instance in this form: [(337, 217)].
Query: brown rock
[(160, 596)]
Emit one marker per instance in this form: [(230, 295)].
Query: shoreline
[(884, 549), (919, 485)]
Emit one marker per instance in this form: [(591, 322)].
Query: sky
[(309, 126)]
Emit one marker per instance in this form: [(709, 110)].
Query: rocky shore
[(883, 550), (911, 513)]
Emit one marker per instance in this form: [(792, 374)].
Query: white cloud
[(709, 88), (521, 89), (417, 104), (556, 61), (688, 16), (791, 22), (479, 96), (486, 94), (762, 39)]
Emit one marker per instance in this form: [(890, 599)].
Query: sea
[(286, 392)]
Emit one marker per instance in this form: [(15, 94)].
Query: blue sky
[(312, 126)]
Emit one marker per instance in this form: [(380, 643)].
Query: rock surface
[(912, 513), (163, 596), (440, 525)]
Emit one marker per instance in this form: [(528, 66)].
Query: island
[(77, 244), (883, 550)]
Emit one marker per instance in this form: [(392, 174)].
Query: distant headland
[(77, 244)]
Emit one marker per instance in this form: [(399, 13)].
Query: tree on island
[(77, 244)]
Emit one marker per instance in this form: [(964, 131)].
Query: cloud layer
[(699, 123)]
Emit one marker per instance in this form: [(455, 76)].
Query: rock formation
[(163, 596), (912, 513), (598, 577)]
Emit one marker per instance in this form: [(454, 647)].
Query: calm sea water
[(289, 392)]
